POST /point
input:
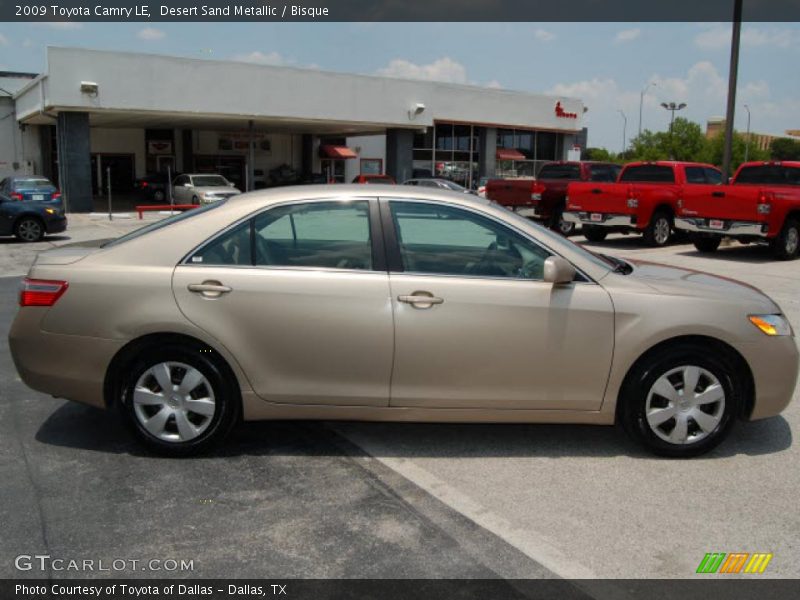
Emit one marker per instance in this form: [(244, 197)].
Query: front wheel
[(787, 245), (594, 233), (177, 401), (681, 401), (659, 230), (557, 223), (706, 243)]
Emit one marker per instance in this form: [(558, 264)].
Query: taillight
[(764, 206), (56, 195), (144, 184), (16, 196), (537, 189), (41, 292)]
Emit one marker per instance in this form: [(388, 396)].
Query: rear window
[(32, 184), (163, 223), (560, 172), (605, 173), (769, 174), (649, 174)]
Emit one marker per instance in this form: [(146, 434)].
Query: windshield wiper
[(620, 266)]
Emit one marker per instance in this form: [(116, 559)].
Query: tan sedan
[(393, 304)]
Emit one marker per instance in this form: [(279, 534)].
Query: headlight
[(771, 324)]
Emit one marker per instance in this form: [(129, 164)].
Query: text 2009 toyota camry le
[(393, 304)]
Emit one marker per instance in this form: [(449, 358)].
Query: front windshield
[(209, 181), (454, 186), (163, 223)]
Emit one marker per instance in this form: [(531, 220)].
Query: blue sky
[(605, 64)]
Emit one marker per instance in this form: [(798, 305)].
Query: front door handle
[(421, 299), (597, 191), (209, 289), (718, 194)]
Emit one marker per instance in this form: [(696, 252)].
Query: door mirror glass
[(187, 185), (558, 270)]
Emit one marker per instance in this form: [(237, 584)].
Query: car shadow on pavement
[(749, 253), (12, 241), (86, 428)]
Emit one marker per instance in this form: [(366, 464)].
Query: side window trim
[(376, 229), (394, 257)]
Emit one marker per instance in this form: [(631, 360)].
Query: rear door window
[(648, 174)]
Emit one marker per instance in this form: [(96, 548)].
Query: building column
[(307, 156), (487, 151), (187, 146), (399, 154), (74, 160)]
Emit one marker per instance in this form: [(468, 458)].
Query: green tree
[(785, 149), (715, 146), (648, 146), (686, 142), (600, 154)]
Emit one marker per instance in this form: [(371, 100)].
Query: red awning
[(509, 154), (329, 151)]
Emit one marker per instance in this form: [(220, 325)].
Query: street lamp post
[(641, 102), (747, 141), (624, 130), (672, 107)]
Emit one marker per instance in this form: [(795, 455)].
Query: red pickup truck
[(761, 204), (643, 200), (544, 197)]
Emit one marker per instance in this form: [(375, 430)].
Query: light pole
[(747, 141), (641, 102), (672, 107), (624, 130)]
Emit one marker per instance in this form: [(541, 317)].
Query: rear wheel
[(159, 196), (29, 229), (787, 244), (681, 401), (594, 233), (557, 222), (706, 243), (177, 401), (659, 230)]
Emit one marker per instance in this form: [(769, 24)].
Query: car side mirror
[(558, 270), (187, 185)]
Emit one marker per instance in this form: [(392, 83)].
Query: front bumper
[(56, 224), (732, 228), (585, 218), (66, 366), (774, 364)]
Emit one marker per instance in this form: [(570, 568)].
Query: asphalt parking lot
[(399, 500)]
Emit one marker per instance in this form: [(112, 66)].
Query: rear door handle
[(421, 299), (209, 289), (718, 194), (597, 191)]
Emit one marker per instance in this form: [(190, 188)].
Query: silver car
[(202, 188), (393, 303)]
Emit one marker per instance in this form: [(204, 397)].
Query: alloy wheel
[(29, 230), (565, 227), (174, 401), (792, 241), (661, 231), (685, 405)]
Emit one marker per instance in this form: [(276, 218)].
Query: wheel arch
[(113, 377), (741, 367), (26, 215)]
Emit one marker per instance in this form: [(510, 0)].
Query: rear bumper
[(66, 366), (585, 218), (733, 228), (531, 212)]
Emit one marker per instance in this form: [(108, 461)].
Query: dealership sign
[(560, 112)]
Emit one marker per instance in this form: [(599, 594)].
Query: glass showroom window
[(447, 151)]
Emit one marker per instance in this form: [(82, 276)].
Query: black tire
[(706, 243), (635, 391), (159, 196), (559, 225), (226, 397), (654, 233), (594, 234), (29, 229), (195, 200), (787, 245)]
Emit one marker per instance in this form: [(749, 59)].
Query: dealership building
[(96, 117)]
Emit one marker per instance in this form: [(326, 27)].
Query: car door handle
[(421, 299), (209, 289), (718, 194), (597, 191)]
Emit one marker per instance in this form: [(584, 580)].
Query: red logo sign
[(560, 112)]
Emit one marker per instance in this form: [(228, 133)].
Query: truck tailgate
[(598, 197), (727, 202)]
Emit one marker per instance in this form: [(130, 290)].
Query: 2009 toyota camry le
[(393, 304)]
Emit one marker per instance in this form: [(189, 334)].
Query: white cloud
[(627, 35), (544, 36), (4, 40), (443, 69), (259, 58), (151, 34), (719, 37), (494, 84)]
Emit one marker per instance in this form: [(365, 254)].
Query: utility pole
[(732, 75), (672, 107), (747, 142), (624, 130), (641, 103)]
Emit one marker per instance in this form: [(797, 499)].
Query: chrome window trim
[(255, 214), (494, 219)]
